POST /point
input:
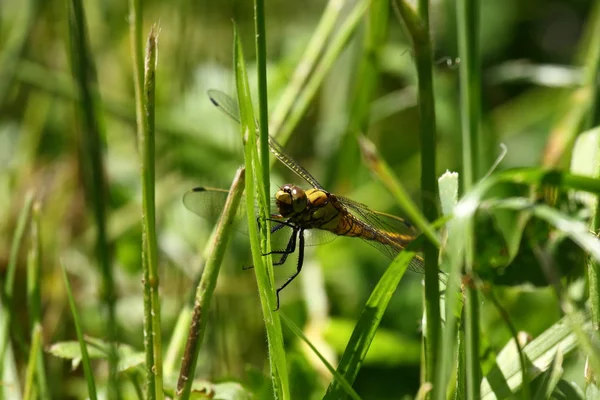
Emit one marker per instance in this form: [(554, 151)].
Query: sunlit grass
[(79, 112)]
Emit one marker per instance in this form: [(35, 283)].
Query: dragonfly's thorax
[(313, 208)]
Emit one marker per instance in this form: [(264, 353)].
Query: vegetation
[(111, 288)]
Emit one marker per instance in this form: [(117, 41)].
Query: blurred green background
[(197, 145)]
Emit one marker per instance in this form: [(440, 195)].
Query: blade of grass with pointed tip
[(262, 265), (367, 325)]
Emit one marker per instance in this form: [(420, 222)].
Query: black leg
[(289, 249), (298, 267)]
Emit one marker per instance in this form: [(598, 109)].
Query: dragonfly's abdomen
[(351, 226)]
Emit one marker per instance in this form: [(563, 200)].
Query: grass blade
[(207, 286), (34, 299), (91, 158), (418, 28), (8, 286), (367, 325), (85, 359), (262, 265), (340, 379), (32, 367), (150, 245)]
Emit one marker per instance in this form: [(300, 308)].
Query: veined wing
[(208, 203), (226, 104), (388, 226)]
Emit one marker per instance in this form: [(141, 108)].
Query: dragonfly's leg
[(289, 249), (276, 228), (298, 267)]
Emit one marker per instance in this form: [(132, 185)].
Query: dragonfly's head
[(290, 200)]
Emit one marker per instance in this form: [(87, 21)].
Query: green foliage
[(98, 149)]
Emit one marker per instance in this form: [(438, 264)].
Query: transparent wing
[(388, 226), (208, 203), (226, 104)]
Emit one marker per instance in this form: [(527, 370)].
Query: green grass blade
[(91, 158), (85, 359), (306, 64), (262, 265), (14, 46), (339, 378), (418, 28), (470, 105), (34, 299), (207, 286), (177, 342), (367, 325), (260, 35), (8, 287), (32, 368), (331, 54), (150, 244)]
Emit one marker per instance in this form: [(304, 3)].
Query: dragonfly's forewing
[(226, 104)]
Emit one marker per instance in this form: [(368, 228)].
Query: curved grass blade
[(367, 325), (298, 332)]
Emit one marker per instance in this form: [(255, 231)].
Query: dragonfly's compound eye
[(299, 200)]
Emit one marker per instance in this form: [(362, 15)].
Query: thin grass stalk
[(92, 133), (263, 269), (331, 54), (85, 359), (467, 13), (207, 285), (34, 298), (263, 111), (418, 30), (306, 64), (8, 287), (135, 34), (15, 44), (147, 156), (30, 391)]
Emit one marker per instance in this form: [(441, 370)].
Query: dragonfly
[(313, 216)]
